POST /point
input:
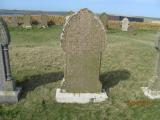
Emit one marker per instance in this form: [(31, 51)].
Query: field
[(37, 65), (60, 20)]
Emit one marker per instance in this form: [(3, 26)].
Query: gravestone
[(8, 92), (27, 21), (104, 18), (44, 21), (153, 90), (83, 40), (14, 22), (125, 24)]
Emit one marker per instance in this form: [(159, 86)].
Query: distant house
[(120, 18)]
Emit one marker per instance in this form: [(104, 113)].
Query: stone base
[(10, 96), (27, 27), (81, 98), (151, 94), (124, 30), (44, 27)]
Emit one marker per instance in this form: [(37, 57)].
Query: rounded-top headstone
[(83, 28), (83, 40), (104, 18), (4, 33), (125, 24)]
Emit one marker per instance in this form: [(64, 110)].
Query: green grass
[(37, 65)]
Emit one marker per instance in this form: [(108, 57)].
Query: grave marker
[(8, 92), (27, 21), (44, 21), (104, 18), (153, 90), (83, 40), (14, 22), (125, 24)]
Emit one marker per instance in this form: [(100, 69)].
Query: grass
[(37, 65)]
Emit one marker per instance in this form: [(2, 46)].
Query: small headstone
[(8, 92), (14, 22), (125, 24), (83, 40), (153, 90), (44, 21), (104, 18), (27, 21)]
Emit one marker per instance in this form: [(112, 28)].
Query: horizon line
[(115, 14)]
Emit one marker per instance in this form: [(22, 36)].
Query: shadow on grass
[(31, 82), (112, 78), (108, 80)]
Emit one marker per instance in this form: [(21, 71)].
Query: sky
[(149, 8)]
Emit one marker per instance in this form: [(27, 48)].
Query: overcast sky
[(149, 8)]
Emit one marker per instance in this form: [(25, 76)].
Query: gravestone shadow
[(112, 78), (29, 83)]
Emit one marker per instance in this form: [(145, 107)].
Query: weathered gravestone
[(44, 21), (125, 24), (104, 18), (153, 90), (8, 92), (83, 40), (27, 21), (14, 22)]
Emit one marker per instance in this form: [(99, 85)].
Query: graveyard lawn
[(37, 65)]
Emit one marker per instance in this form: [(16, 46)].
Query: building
[(131, 19)]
